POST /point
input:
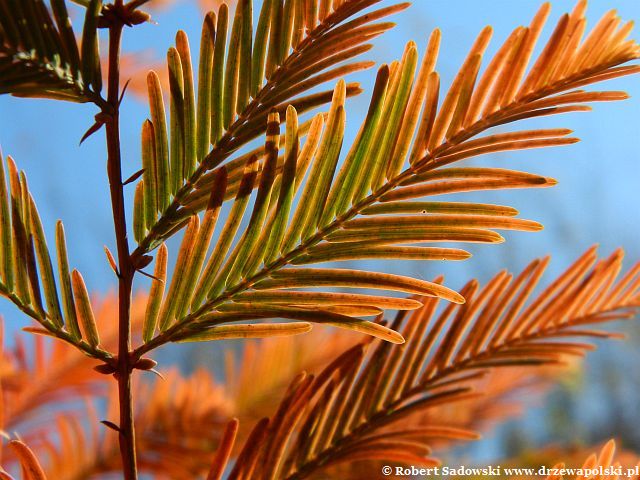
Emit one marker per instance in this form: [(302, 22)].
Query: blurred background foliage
[(595, 202)]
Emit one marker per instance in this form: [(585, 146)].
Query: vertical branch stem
[(126, 269)]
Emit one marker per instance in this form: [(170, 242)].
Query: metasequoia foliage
[(300, 198), (52, 403), (335, 220), (357, 408), (39, 378), (348, 217), (598, 466), (604, 464), (427, 398), (36, 376), (502, 393), (39, 54)]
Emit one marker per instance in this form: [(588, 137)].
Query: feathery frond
[(299, 200), (180, 421), (27, 276), (442, 135), (31, 468), (351, 410), (368, 209), (39, 56), (257, 377), (37, 374), (44, 382), (244, 74), (598, 466)]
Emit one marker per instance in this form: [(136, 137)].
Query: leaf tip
[(457, 298), (181, 38), (536, 226), (396, 338)]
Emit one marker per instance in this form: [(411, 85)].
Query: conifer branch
[(288, 69), (359, 212), (358, 405)]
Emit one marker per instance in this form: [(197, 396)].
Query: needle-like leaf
[(90, 52), (161, 155), (68, 302), (85, 311), (155, 295), (258, 330)]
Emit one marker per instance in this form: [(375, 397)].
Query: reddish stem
[(126, 269)]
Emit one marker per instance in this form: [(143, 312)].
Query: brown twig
[(126, 269)]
